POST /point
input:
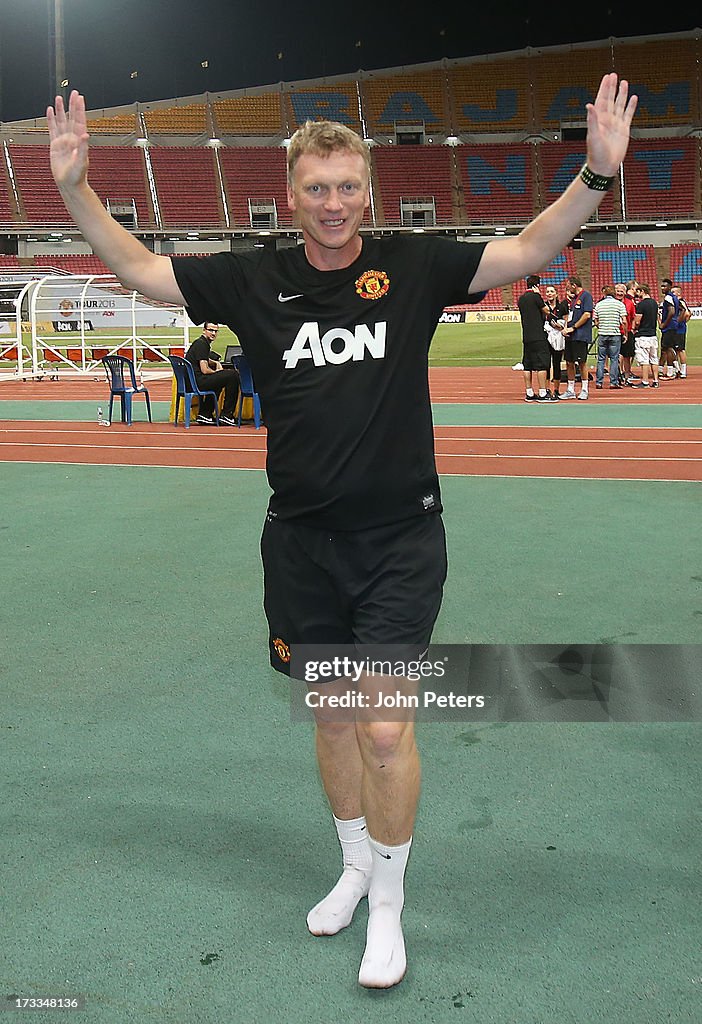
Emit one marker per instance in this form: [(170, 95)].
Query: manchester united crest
[(373, 284), (281, 649)]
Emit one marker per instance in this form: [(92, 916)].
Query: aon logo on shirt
[(337, 345)]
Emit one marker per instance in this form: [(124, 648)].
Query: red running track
[(498, 385), (611, 453), (459, 384)]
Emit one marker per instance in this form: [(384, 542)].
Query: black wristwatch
[(597, 182)]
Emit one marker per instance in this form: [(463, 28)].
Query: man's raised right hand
[(68, 132)]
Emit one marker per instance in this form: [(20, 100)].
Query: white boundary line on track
[(575, 479), (133, 431), (134, 465), (558, 426), (464, 476), (138, 430), (255, 440), (569, 440), (126, 447), (578, 458), (439, 455)]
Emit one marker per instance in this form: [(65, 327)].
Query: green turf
[(568, 414), (163, 830), (501, 344), (594, 414), (518, 589), (48, 409), (463, 344)]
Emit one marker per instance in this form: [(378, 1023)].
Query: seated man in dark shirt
[(210, 376)]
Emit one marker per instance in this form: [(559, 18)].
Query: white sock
[(683, 370), (542, 392), (384, 961), (336, 910), (571, 387), (583, 386), (530, 392)]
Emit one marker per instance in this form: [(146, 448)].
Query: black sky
[(248, 44)]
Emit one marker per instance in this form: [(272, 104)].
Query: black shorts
[(669, 339), (376, 587), (627, 348), (537, 354), (575, 350), (680, 342)]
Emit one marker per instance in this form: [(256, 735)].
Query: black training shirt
[(530, 305), (648, 310), (340, 361), (199, 350)]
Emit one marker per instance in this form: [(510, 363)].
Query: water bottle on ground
[(101, 422)]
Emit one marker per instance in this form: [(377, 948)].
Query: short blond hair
[(322, 138)]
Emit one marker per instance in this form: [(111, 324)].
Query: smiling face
[(551, 294), (330, 195)]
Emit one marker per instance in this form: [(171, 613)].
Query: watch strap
[(596, 182)]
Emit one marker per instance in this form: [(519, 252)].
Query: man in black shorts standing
[(337, 332), (578, 335), (537, 354), (669, 310), (684, 314)]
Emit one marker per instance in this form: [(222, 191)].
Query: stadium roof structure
[(613, 54), (532, 100)]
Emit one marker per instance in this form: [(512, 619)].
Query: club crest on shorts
[(281, 649), (373, 284)]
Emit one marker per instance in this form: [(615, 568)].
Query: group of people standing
[(627, 319)]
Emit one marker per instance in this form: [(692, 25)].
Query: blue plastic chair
[(187, 389), (123, 383), (247, 389)]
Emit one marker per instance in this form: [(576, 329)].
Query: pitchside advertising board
[(104, 313), (505, 316), (473, 316), (97, 310)]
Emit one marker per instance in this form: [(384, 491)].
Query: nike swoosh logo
[(287, 298), (386, 855)]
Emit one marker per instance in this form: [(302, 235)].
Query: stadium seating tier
[(187, 186), (536, 92)]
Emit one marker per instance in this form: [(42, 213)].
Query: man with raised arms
[(337, 333)]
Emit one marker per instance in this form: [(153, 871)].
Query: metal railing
[(62, 326)]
